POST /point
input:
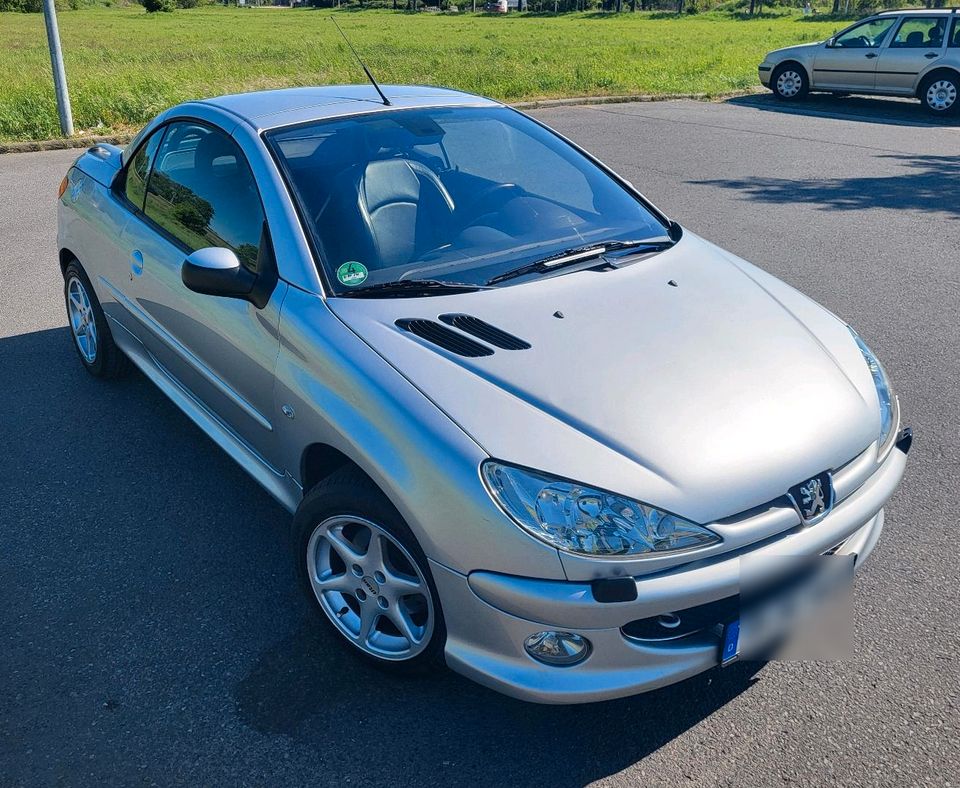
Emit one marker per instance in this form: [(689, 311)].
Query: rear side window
[(925, 32), (135, 186), (201, 191), (955, 37)]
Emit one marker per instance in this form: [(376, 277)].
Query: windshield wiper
[(411, 288), (578, 254)]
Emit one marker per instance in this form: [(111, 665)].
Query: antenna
[(366, 70)]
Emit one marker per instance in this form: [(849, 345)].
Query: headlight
[(585, 520), (888, 402)]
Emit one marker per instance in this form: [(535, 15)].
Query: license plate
[(730, 644)]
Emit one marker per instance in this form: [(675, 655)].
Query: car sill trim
[(275, 482)]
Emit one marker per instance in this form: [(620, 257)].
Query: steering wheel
[(486, 194)]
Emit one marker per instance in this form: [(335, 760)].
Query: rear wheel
[(367, 575), (789, 82), (91, 335), (939, 94)]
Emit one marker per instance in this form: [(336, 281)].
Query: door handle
[(136, 262), (871, 54), (931, 55)]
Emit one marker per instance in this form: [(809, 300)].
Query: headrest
[(389, 181), (217, 148)]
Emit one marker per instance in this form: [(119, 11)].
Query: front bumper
[(489, 615), (764, 70)]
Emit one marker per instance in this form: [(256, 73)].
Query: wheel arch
[(933, 73), (319, 460), (66, 257), (794, 63)]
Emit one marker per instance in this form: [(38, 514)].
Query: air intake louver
[(444, 337), (481, 330)]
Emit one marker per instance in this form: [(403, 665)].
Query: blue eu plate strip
[(730, 649)]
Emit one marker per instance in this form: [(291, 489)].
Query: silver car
[(912, 53), (526, 424)]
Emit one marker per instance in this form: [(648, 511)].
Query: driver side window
[(202, 193), (867, 35)]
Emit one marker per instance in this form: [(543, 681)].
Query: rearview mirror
[(217, 271), (831, 42)]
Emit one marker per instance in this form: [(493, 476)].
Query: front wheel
[(789, 83), (367, 575), (939, 94)]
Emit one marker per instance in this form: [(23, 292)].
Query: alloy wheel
[(82, 321), (941, 95), (370, 587), (789, 83)]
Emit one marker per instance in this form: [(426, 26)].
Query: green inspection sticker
[(352, 273)]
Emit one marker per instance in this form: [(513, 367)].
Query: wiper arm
[(580, 253), (411, 288)]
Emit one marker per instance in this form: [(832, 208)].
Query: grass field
[(124, 66)]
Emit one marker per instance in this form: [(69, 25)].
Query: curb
[(632, 99), (33, 146)]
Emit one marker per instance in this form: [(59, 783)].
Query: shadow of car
[(862, 108)]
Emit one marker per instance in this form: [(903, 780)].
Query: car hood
[(690, 380), (795, 51)]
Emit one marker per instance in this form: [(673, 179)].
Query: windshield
[(460, 195)]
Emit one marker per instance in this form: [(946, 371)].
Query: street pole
[(59, 75)]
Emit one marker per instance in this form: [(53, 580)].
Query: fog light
[(557, 648)]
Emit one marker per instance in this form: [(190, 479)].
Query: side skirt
[(280, 485)]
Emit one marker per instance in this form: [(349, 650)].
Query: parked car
[(894, 53), (526, 424), (496, 7)]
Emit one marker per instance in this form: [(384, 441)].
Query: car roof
[(267, 109), (918, 12)]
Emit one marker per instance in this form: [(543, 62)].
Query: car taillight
[(63, 186)]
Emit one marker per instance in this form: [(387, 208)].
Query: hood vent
[(442, 336), (481, 330)]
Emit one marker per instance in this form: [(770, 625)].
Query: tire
[(789, 82), (92, 339), (347, 587), (940, 94)]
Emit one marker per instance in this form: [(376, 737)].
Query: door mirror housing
[(217, 271), (831, 42)]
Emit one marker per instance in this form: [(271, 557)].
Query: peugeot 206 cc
[(526, 424)]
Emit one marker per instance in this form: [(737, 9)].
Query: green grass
[(124, 66)]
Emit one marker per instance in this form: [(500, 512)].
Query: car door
[(113, 267), (200, 192), (918, 43), (849, 61)]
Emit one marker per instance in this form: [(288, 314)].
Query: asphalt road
[(150, 628)]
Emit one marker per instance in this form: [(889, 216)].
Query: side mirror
[(831, 42), (217, 271)]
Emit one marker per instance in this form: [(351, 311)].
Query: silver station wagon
[(895, 53), (526, 424)]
